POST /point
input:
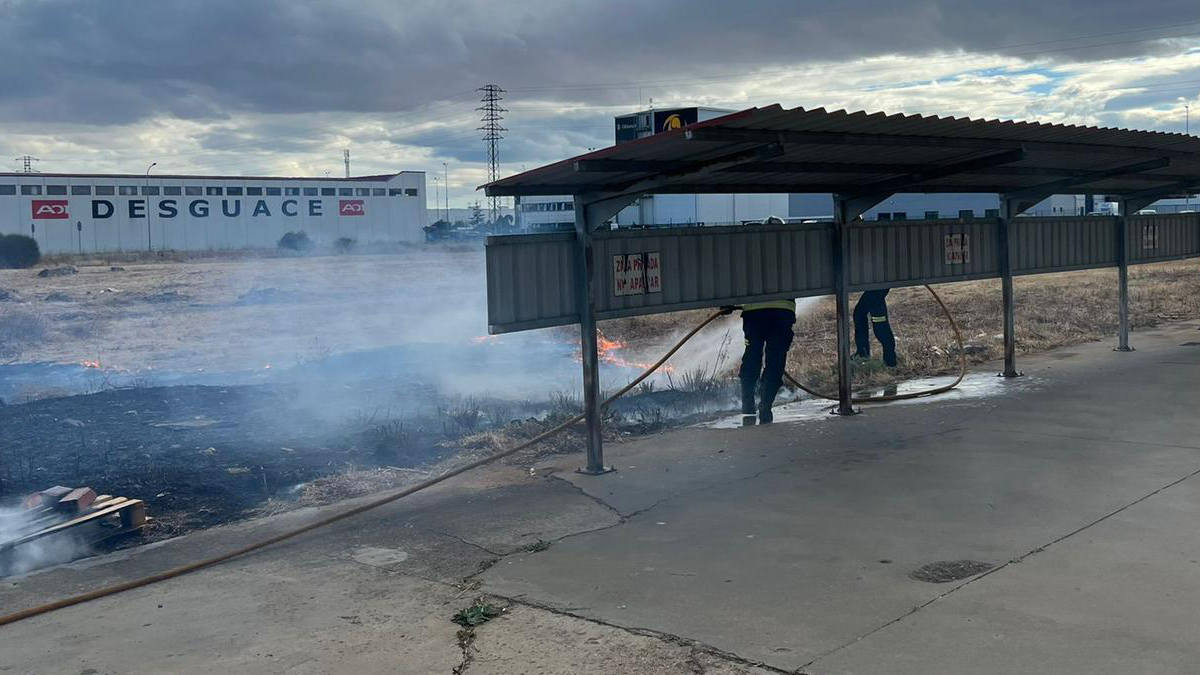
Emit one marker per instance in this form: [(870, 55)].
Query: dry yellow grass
[(1053, 310)]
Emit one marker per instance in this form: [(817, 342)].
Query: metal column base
[(835, 410), (1015, 373), (1124, 349), (595, 472)]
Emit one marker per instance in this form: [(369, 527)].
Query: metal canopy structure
[(775, 150), (861, 159)]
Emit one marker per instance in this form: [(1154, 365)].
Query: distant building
[(92, 213)]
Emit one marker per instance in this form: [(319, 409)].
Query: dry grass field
[(1053, 310)]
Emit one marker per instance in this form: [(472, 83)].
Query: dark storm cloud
[(122, 60)]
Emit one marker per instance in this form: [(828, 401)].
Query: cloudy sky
[(282, 86)]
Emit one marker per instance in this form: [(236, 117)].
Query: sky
[(282, 87)]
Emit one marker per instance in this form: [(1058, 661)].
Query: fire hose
[(962, 369), (430, 482)]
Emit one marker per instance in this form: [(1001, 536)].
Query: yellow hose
[(428, 483), (208, 562), (962, 369)]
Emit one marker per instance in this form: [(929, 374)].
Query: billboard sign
[(49, 208), (670, 120), (351, 207)]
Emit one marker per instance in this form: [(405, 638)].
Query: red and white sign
[(653, 272), (637, 273), (352, 207), (49, 208), (958, 249)]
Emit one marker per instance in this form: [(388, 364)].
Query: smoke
[(717, 349), (52, 550)]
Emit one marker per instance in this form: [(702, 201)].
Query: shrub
[(18, 330), (18, 251), (344, 244), (295, 241)]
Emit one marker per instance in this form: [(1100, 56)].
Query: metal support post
[(585, 269), (1122, 279), (1006, 285), (841, 281)]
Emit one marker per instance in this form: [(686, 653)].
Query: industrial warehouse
[(102, 213)]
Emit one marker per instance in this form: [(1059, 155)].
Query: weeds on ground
[(477, 613), (536, 547), (19, 329), (391, 439)]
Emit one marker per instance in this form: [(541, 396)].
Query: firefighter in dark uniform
[(768, 330), (872, 308)]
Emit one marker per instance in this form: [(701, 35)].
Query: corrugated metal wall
[(712, 266), (910, 253), (531, 281), (530, 277), (1064, 243), (1165, 236)]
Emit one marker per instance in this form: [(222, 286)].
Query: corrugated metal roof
[(164, 176), (776, 150)]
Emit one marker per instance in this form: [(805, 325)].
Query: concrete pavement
[(712, 549)]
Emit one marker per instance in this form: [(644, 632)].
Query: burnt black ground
[(197, 455)]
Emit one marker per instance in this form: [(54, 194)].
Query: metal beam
[(1056, 187), (859, 168), (788, 137), (600, 208), (845, 209), (941, 171), (1008, 209), (1137, 201), (584, 278), (633, 165), (721, 187), (1122, 278)]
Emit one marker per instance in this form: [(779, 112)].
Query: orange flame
[(606, 348)]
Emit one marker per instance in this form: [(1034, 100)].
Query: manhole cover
[(949, 570)]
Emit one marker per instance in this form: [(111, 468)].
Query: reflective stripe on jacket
[(789, 305)]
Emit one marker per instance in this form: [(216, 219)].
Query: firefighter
[(768, 330), (872, 308)]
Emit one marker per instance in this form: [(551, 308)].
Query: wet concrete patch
[(379, 557)]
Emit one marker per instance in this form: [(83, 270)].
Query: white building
[(84, 213)]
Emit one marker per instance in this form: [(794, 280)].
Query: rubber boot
[(765, 416), (748, 408)]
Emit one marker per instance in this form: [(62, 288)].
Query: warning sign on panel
[(958, 249), (637, 273)]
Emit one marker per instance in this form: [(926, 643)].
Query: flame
[(484, 339), (606, 348), (90, 364)]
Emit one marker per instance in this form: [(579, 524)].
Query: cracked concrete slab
[(714, 549), (1119, 598), (805, 546), (503, 646)]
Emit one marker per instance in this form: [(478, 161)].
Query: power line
[(492, 114), (27, 163)]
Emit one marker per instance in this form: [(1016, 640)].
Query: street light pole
[(437, 198), (446, 190), (146, 183)]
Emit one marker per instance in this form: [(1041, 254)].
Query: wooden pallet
[(46, 521)]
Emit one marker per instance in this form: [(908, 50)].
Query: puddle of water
[(975, 386), (379, 557)]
